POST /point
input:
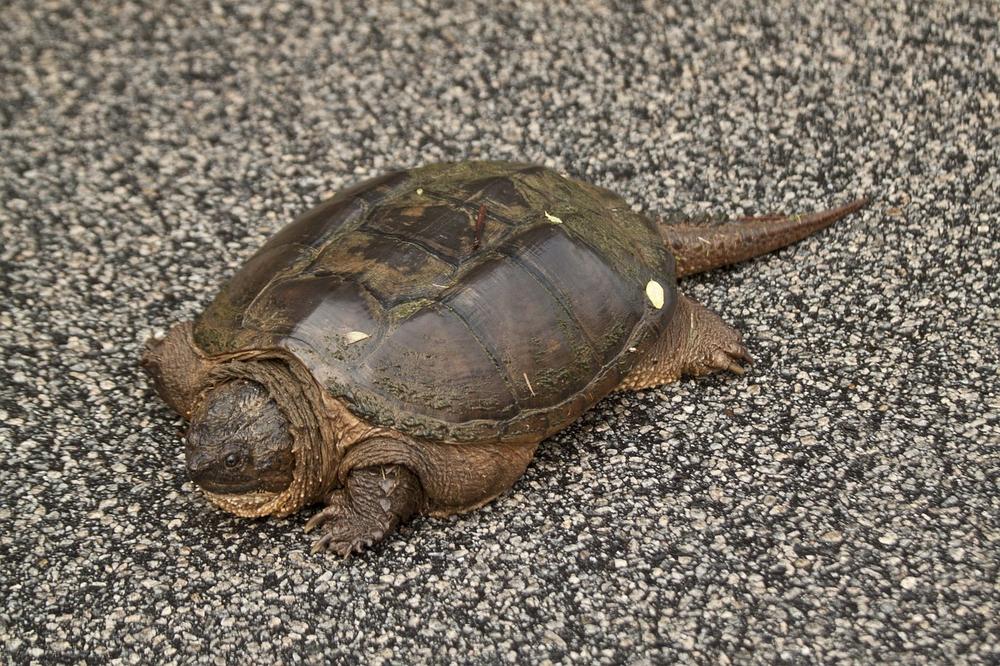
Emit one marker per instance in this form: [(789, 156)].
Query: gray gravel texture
[(839, 503)]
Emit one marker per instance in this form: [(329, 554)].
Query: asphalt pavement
[(839, 503)]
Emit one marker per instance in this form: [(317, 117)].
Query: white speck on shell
[(654, 292), (552, 218), (356, 336), (420, 191)]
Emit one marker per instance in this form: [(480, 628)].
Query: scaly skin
[(701, 247), (696, 343), (374, 502), (526, 236)]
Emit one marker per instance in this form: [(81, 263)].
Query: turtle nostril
[(197, 465)]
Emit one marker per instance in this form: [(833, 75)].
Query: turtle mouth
[(229, 487), (263, 482), (208, 476)]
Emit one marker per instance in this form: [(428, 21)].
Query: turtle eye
[(232, 460)]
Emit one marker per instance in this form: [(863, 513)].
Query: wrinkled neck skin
[(321, 427)]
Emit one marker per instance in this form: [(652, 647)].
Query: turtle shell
[(458, 302)]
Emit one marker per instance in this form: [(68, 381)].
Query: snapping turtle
[(403, 347)]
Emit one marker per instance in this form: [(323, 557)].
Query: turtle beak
[(199, 467)]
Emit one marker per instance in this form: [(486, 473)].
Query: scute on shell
[(506, 339)]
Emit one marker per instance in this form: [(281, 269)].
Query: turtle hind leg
[(697, 342), (374, 502)]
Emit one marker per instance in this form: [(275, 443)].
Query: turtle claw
[(732, 367), (321, 543), (360, 515), (341, 541), (731, 360), (347, 532), (331, 512), (730, 355)]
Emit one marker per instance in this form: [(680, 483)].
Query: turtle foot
[(373, 503), (346, 532), (729, 353)]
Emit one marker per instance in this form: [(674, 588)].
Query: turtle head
[(239, 441)]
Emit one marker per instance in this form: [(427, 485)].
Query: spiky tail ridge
[(698, 248)]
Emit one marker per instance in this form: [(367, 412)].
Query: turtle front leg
[(374, 502), (697, 342)]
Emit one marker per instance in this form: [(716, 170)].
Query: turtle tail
[(702, 247)]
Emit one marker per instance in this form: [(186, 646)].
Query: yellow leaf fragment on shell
[(654, 292), (355, 336), (552, 218)]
